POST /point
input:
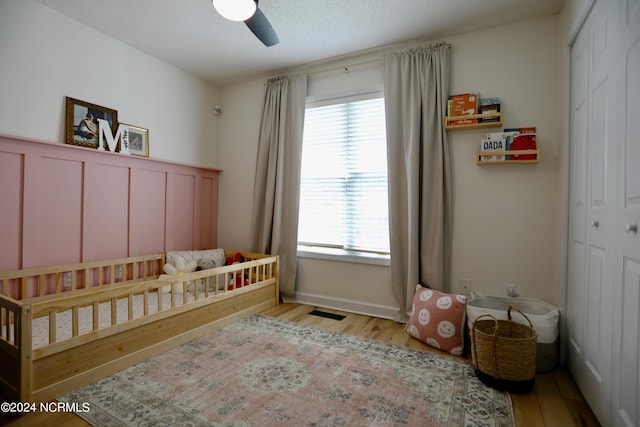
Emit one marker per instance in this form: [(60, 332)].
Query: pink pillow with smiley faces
[(437, 319)]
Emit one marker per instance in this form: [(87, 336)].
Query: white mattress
[(40, 326)]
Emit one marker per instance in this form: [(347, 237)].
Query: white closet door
[(626, 411), (590, 313), (576, 289)]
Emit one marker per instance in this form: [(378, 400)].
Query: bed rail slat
[(40, 281), (11, 326), (130, 306), (23, 332), (145, 303), (75, 321), (4, 323), (52, 327), (114, 311), (10, 318), (7, 333), (95, 315)]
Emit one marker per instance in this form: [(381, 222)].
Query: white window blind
[(343, 196)]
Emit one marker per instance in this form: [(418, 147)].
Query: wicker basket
[(504, 352)]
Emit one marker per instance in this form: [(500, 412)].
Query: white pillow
[(205, 259)]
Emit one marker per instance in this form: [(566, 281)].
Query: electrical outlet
[(465, 286), (512, 289)]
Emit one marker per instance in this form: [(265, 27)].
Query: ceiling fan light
[(235, 10)]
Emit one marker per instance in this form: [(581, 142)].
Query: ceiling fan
[(248, 11)]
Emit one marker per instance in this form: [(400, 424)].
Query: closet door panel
[(631, 151), (600, 225), (596, 332), (578, 178), (627, 346), (590, 303), (575, 302), (598, 148), (628, 410)]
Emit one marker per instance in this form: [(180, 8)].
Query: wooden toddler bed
[(65, 326)]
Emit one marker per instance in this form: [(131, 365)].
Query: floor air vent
[(327, 315)]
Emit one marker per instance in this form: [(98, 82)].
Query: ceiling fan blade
[(260, 26)]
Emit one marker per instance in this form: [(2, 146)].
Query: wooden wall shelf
[(448, 121), (511, 153)]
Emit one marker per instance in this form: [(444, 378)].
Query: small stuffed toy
[(240, 281), (235, 259), (179, 269)]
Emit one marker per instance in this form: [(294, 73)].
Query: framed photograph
[(138, 140), (81, 122)]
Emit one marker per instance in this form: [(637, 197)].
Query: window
[(343, 191)]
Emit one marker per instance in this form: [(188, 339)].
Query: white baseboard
[(357, 307)]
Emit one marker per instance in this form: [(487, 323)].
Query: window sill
[(331, 254)]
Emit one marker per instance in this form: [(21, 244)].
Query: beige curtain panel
[(416, 84), (276, 193)]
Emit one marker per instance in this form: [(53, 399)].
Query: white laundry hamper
[(544, 317)]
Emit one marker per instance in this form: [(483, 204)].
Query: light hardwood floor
[(555, 400)]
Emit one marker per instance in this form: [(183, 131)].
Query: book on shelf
[(463, 105), (523, 139), (506, 135), (526, 130), (489, 109), (490, 144)]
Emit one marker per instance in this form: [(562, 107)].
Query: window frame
[(335, 253)]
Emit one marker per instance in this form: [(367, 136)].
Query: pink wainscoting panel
[(183, 211), (53, 199), (209, 212), (11, 171), (106, 211), (147, 215), (65, 204)]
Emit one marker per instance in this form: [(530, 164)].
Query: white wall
[(239, 129), (47, 56), (506, 218)]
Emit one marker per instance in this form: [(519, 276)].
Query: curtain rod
[(345, 68)]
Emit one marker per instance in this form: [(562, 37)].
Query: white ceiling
[(192, 36)]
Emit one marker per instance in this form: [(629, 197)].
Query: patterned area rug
[(267, 372)]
